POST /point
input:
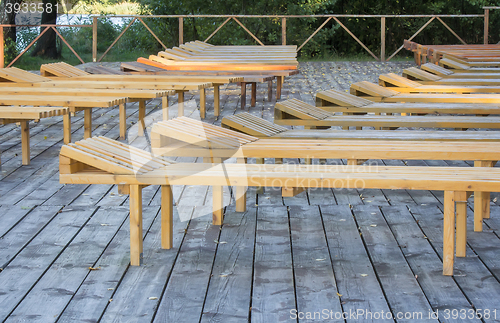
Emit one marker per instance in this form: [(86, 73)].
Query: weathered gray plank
[(398, 281), (24, 231), (273, 293), (441, 291), (315, 285), (183, 298), (356, 280), (111, 289), (56, 288), (31, 263), (474, 279), (229, 292), (10, 216)]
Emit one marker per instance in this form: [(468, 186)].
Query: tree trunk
[(46, 46), (9, 33)]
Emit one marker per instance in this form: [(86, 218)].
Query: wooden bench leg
[(167, 209), (279, 85), (461, 223), (164, 107), (243, 95), (241, 195), (123, 120), (269, 91), (25, 142), (481, 200), (203, 105), (216, 100), (260, 161), (135, 225), (448, 233), (67, 128), (180, 103), (87, 123), (142, 115), (218, 211), (253, 99)]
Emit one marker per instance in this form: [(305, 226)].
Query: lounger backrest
[(110, 156), (365, 88), (14, 74), (294, 108), (341, 98), (61, 69), (452, 64), (247, 123), (414, 73), (436, 69), (391, 79), (201, 134)]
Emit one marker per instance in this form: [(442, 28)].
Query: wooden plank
[(467, 270), (355, 276), (93, 297), (396, 277), (315, 284), (24, 271), (442, 291), (273, 285), (229, 291), (184, 296)]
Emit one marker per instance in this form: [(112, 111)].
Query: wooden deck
[(64, 249)]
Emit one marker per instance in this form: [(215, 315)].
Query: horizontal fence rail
[(237, 18)]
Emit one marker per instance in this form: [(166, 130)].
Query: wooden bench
[(186, 137), (23, 115), (140, 96), (180, 83), (107, 163), (74, 103)]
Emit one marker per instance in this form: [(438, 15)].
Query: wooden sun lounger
[(377, 93), (296, 113), (249, 124), (67, 71), (434, 73), (459, 86), (104, 162), (140, 96), (340, 101), (186, 137), (136, 67), (179, 88), (23, 115), (74, 103), (452, 64)]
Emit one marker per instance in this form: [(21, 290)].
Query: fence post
[(283, 31), (486, 23), (94, 39), (382, 39), (181, 30), (2, 62)]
